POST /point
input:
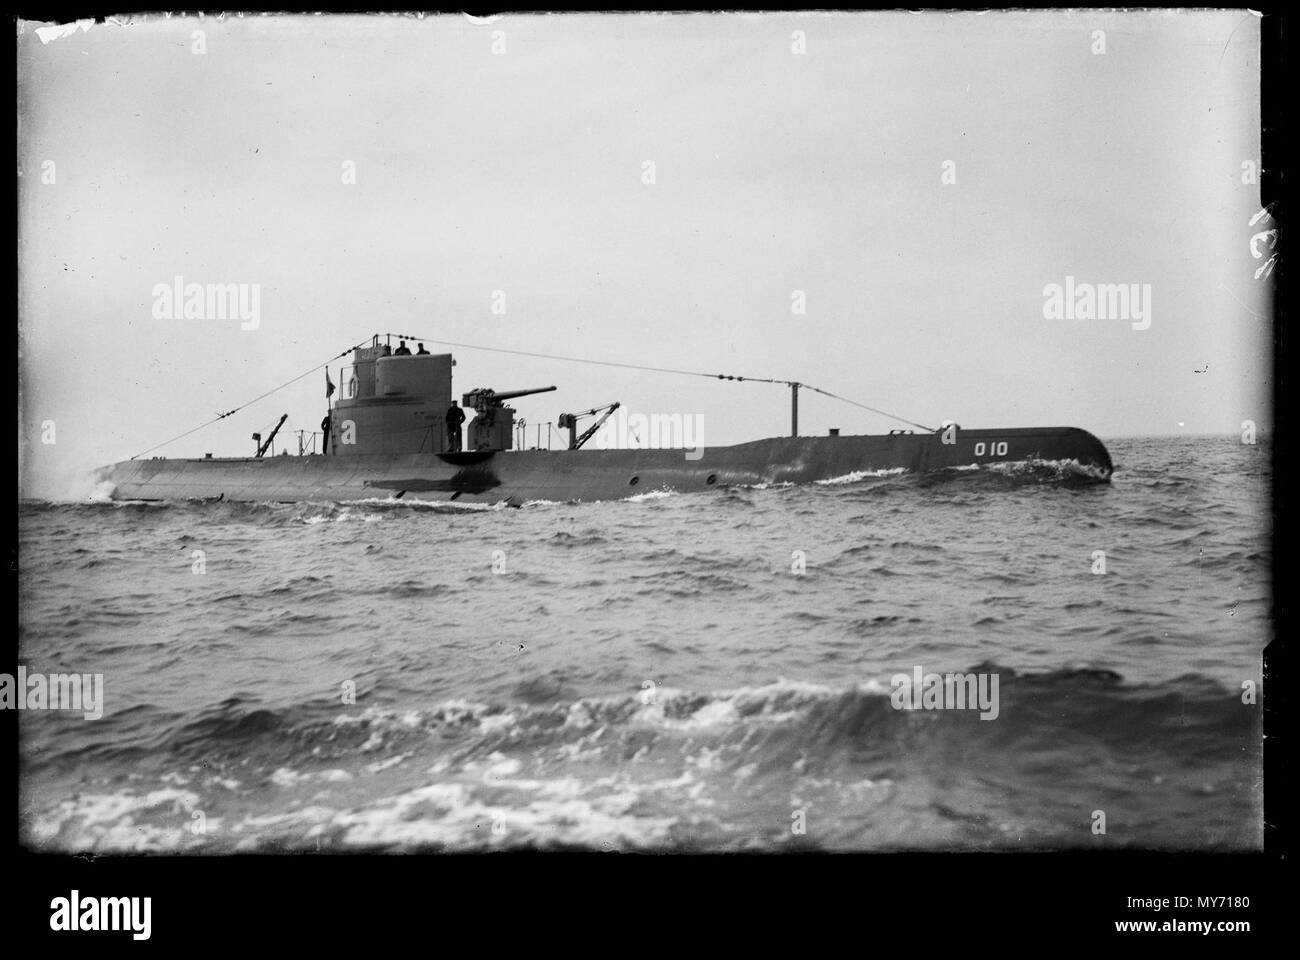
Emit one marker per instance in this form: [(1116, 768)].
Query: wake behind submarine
[(393, 433)]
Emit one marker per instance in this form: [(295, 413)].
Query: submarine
[(388, 435)]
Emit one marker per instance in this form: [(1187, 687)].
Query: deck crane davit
[(570, 421)]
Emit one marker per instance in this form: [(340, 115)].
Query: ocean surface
[(668, 673)]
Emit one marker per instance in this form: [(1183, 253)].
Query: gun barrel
[(484, 398), (511, 394)]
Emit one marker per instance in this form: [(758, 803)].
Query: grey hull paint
[(563, 475)]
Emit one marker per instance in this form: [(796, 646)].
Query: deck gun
[(493, 426)]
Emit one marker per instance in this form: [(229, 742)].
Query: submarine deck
[(564, 475)]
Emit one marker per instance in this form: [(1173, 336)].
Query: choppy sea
[(671, 672)]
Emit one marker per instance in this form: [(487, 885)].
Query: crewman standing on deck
[(455, 417)]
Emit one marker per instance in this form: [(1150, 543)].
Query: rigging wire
[(637, 366), (892, 416), (228, 413)]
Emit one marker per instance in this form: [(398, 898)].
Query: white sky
[(522, 172)]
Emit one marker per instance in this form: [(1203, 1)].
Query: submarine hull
[(586, 475)]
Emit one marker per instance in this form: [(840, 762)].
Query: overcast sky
[(512, 156)]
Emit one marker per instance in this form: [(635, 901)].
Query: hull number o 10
[(998, 449)]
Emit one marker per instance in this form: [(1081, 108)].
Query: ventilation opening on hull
[(634, 481), (711, 479)]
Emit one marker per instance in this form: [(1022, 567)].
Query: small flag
[(329, 384)]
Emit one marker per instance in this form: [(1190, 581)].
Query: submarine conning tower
[(391, 404)]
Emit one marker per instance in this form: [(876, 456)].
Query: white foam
[(503, 766), (466, 505), (857, 475), (650, 495), (285, 777), (102, 492), (496, 723), (714, 713), (381, 765), (109, 822)]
